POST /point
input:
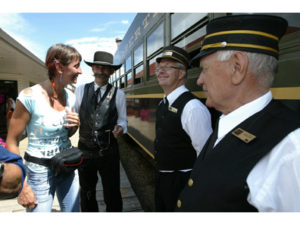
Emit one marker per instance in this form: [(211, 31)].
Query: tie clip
[(243, 135)]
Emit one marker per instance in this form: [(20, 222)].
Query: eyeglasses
[(164, 68)]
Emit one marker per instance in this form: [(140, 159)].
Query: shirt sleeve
[(79, 95), (27, 99), (196, 121), (274, 182), (121, 108)]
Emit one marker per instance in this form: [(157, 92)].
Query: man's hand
[(118, 131)]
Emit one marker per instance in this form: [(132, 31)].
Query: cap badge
[(168, 53), (224, 44)]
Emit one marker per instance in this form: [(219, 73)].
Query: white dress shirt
[(195, 120), (120, 103), (274, 182)]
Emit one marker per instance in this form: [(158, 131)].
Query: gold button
[(178, 203), (190, 182)]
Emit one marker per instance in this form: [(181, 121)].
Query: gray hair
[(263, 66), (181, 66)]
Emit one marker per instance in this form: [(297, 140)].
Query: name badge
[(172, 109), (243, 135)]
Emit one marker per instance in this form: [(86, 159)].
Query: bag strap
[(40, 161)]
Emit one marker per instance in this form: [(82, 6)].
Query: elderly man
[(251, 162), (183, 125), (102, 111)]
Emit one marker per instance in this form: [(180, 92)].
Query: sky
[(37, 24), (87, 32)]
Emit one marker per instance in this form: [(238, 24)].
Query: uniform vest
[(173, 147), (218, 179), (96, 121)]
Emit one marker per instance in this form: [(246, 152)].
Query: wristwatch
[(1, 169)]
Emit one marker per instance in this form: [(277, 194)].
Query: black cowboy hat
[(103, 59)]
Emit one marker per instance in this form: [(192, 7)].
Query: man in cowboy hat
[(183, 125), (251, 162), (102, 111)]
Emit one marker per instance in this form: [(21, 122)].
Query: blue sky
[(87, 32), (98, 23)]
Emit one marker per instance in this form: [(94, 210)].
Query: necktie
[(96, 96), (165, 104), (213, 137)]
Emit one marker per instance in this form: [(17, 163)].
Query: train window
[(152, 65), (122, 70), (112, 78), (122, 82), (182, 21), (193, 41), (128, 64), (139, 72), (129, 79), (138, 55), (155, 40), (118, 83), (117, 74)]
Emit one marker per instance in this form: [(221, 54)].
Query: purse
[(66, 161), (62, 163)]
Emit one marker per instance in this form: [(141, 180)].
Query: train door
[(8, 89)]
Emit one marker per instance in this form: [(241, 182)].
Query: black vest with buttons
[(218, 179), (173, 147), (89, 124)]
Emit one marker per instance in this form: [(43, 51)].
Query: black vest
[(94, 121), (218, 179), (173, 147)]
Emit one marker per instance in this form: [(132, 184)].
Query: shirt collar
[(231, 120), (102, 88), (176, 93)]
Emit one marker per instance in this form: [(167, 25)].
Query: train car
[(143, 43)]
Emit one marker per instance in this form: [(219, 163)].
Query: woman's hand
[(72, 119), (27, 197)]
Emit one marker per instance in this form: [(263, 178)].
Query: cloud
[(13, 22), (106, 26), (98, 29), (18, 28), (87, 46)]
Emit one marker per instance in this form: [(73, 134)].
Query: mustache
[(101, 75)]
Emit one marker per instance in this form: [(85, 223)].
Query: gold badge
[(243, 135), (172, 109)]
